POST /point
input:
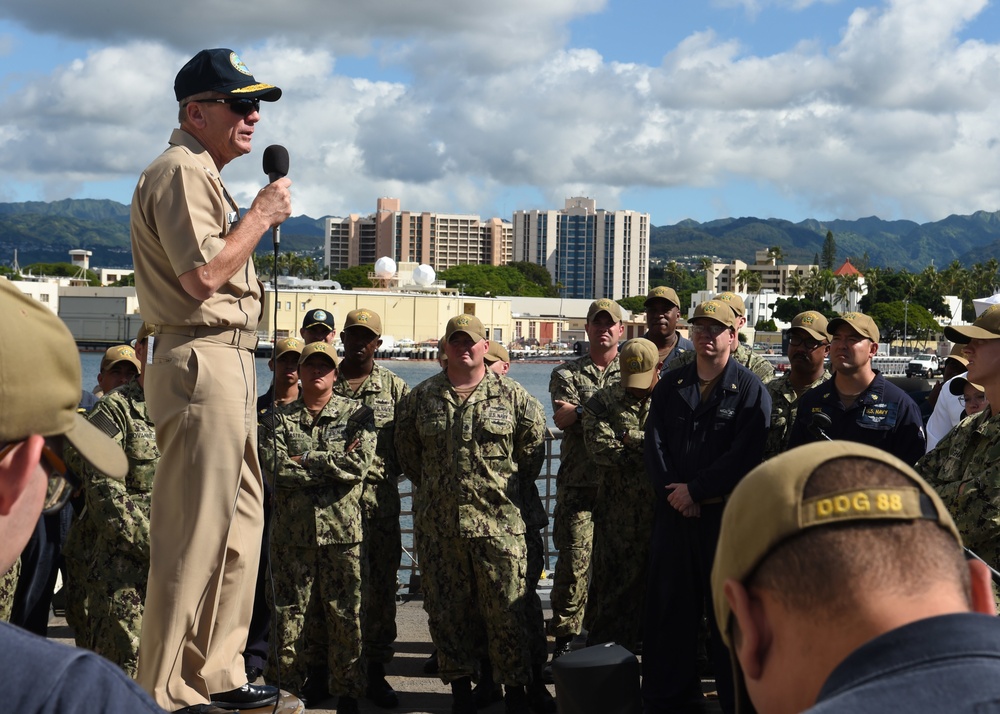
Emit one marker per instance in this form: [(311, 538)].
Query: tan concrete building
[(723, 277), (405, 316), (590, 252), (440, 240)]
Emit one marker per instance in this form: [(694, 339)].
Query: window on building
[(43, 297)]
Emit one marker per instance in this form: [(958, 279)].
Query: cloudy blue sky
[(696, 109)]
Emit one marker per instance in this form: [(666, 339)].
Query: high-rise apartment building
[(440, 240), (591, 253)]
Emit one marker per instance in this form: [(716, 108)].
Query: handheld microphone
[(276, 167), (819, 422)]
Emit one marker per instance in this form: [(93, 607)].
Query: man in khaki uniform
[(198, 291)]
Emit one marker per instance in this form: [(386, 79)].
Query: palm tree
[(796, 284), (706, 267), (775, 253)]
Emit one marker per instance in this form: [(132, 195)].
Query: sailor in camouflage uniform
[(361, 378), (571, 387), (742, 353), (964, 467), (468, 438), (808, 346), (614, 423), (324, 446), (117, 521)]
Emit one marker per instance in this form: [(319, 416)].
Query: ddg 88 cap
[(46, 407), (768, 507)]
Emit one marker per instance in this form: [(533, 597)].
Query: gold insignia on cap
[(709, 308), (463, 321), (991, 309), (849, 316), (603, 304), (724, 296), (808, 320), (362, 317), (634, 364)]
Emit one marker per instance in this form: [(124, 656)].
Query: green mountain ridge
[(46, 231)]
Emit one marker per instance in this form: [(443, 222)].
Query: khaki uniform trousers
[(206, 520)]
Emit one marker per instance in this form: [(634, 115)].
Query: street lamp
[(906, 321)]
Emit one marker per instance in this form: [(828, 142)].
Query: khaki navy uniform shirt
[(180, 213)]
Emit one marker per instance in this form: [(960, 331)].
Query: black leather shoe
[(431, 663), (564, 645), (203, 709), (249, 696)]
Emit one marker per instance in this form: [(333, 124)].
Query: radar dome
[(385, 267), (423, 275)]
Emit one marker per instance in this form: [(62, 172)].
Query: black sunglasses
[(240, 106)]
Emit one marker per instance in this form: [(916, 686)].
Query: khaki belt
[(226, 335)]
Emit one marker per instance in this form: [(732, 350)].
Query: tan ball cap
[(664, 293), (638, 361), (857, 321), (469, 324), (319, 348), (734, 301), (986, 327), (497, 353), (286, 345), (47, 407), (364, 317), (716, 310), (812, 322), (604, 305), (119, 353)]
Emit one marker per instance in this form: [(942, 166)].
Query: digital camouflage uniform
[(623, 516), (77, 554), (743, 355), (118, 520), (316, 534), (784, 405), (381, 392), (8, 583), (964, 468), (469, 461), (576, 493)]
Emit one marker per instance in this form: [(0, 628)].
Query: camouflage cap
[(986, 327), (497, 353), (663, 292), (318, 317), (857, 321), (605, 305), (811, 322), (469, 324), (734, 301), (119, 353), (716, 310), (366, 318), (46, 407), (957, 386), (324, 349), (638, 360), (768, 507), (286, 345)]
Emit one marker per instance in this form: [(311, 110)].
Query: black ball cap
[(221, 70)]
